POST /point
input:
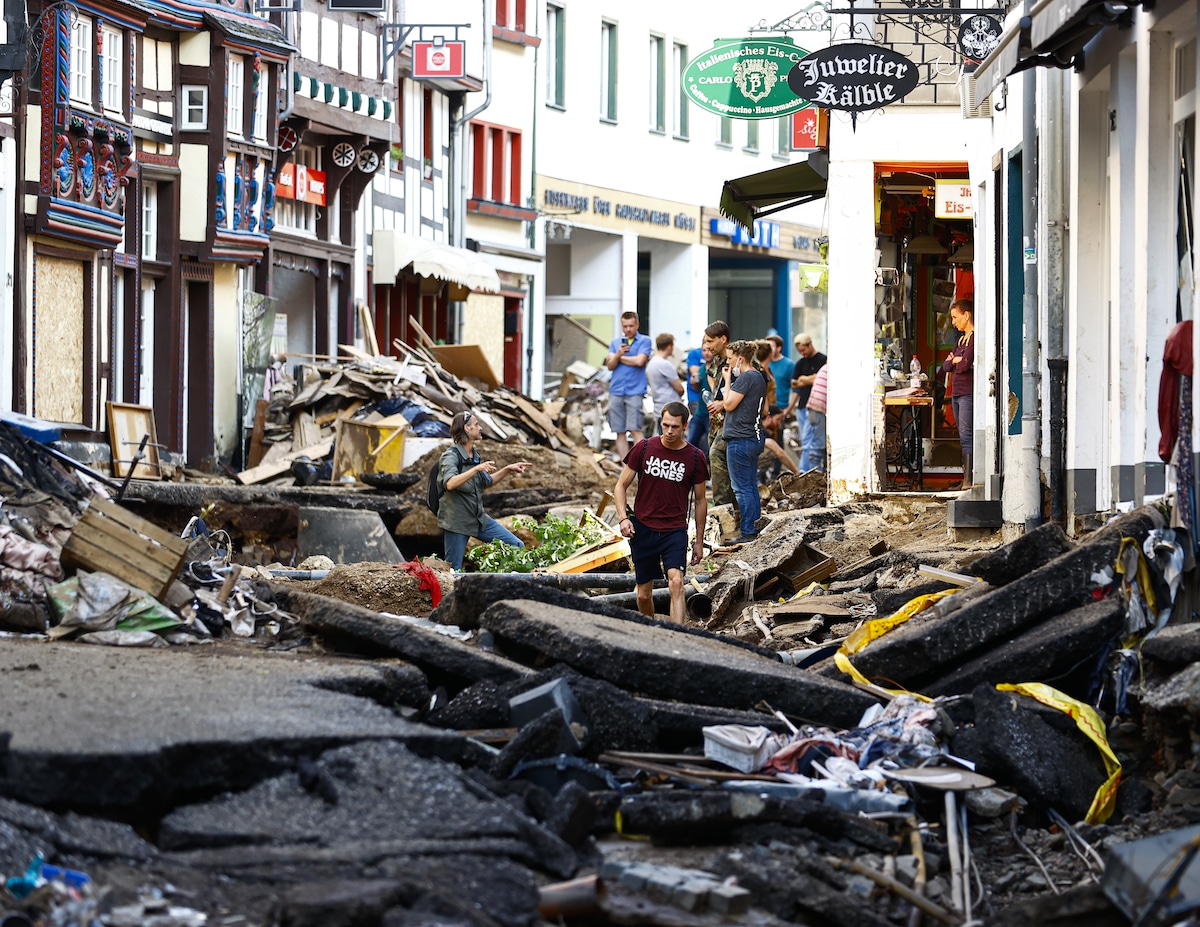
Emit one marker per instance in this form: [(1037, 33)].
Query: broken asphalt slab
[(925, 648), (91, 728), (354, 629), (663, 663)]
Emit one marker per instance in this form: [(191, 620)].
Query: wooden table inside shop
[(902, 440)]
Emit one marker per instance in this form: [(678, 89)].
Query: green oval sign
[(745, 78)]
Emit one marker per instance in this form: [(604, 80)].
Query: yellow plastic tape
[(1089, 722), (873, 630), (620, 825)]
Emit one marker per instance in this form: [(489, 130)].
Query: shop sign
[(766, 234), (600, 206), (744, 78), (438, 59), (152, 126), (979, 35), (297, 182), (853, 77), (952, 199), (806, 129)]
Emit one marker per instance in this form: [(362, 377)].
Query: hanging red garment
[(964, 284), (1177, 362)]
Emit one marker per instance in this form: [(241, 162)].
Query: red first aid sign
[(805, 129), (445, 60)]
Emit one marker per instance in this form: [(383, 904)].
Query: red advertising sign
[(445, 59), (806, 129), (297, 182)]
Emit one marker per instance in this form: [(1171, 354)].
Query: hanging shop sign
[(297, 182), (952, 199), (438, 59), (810, 132), (979, 35), (853, 77), (745, 78)]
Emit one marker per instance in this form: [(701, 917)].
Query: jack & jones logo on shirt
[(672, 470)]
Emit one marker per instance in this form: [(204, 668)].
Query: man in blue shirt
[(697, 433), (627, 359)]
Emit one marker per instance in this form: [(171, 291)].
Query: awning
[(757, 195), (1052, 35), (394, 251)]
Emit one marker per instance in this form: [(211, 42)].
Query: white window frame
[(260, 104), (115, 79), (149, 244), (679, 125), (555, 47), (294, 215), (657, 84), (609, 54), (193, 107), (235, 96), (83, 51)]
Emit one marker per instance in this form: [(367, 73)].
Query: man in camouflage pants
[(716, 338)]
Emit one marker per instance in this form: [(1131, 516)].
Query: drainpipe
[(1056, 233), (458, 171), (1030, 493)]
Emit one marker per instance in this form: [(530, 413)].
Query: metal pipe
[(595, 580), (659, 597), (1030, 494), (1054, 138)]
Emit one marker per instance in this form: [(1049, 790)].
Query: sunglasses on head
[(467, 419)]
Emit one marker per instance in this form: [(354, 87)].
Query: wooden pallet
[(112, 539)]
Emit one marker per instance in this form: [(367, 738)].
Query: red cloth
[(663, 482), (1177, 362), (428, 578)]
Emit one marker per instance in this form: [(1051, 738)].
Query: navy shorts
[(655, 552)]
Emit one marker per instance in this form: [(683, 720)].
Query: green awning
[(757, 195)]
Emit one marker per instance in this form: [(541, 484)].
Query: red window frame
[(503, 172), (510, 14)]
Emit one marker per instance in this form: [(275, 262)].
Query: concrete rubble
[(872, 726)]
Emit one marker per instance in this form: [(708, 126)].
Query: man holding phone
[(627, 359)]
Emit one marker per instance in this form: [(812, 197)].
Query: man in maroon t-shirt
[(669, 471)]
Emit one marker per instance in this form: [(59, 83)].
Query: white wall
[(678, 290)]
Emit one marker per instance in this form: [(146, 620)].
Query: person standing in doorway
[(961, 364), (745, 398), (671, 474), (804, 373), (627, 359), (661, 375), (463, 477)]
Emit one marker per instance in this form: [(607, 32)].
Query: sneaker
[(743, 539)]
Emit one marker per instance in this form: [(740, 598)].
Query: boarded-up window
[(59, 341)]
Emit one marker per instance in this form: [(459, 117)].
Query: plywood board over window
[(60, 321), (127, 425)]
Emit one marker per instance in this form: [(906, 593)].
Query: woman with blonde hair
[(462, 478)]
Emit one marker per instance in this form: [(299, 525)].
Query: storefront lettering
[(853, 77), (567, 200), (685, 222), (599, 206)]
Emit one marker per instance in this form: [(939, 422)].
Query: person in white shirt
[(662, 376)]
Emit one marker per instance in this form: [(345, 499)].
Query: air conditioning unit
[(972, 108)]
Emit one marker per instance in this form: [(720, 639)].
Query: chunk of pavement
[(991, 802), (1035, 749), (891, 600), (1023, 555), (729, 899), (1043, 652), (555, 695), (570, 814), (468, 889), (1086, 906), (177, 724), (1176, 645), (474, 592), (659, 661), (709, 816), (540, 738), (345, 535), (390, 802), (923, 649), (340, 903), (479, 706), (353, 628)]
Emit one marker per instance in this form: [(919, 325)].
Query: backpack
[(433, 490)]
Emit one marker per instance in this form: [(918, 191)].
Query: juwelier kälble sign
[(853, 77), (745, 78)]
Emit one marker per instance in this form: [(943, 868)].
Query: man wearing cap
[(804, 374)]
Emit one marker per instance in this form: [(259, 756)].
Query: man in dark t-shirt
[(669, 472), (803, 375)]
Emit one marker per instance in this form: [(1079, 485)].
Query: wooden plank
[(135, 522), (130, 544), (368, 327), (284, 463), (587, 331), (422, 335), (466, 360), (305, 430), (87, 555), (256, 436)]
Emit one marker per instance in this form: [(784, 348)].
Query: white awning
[(394, 251)]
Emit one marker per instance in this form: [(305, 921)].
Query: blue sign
[(766, 234)]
